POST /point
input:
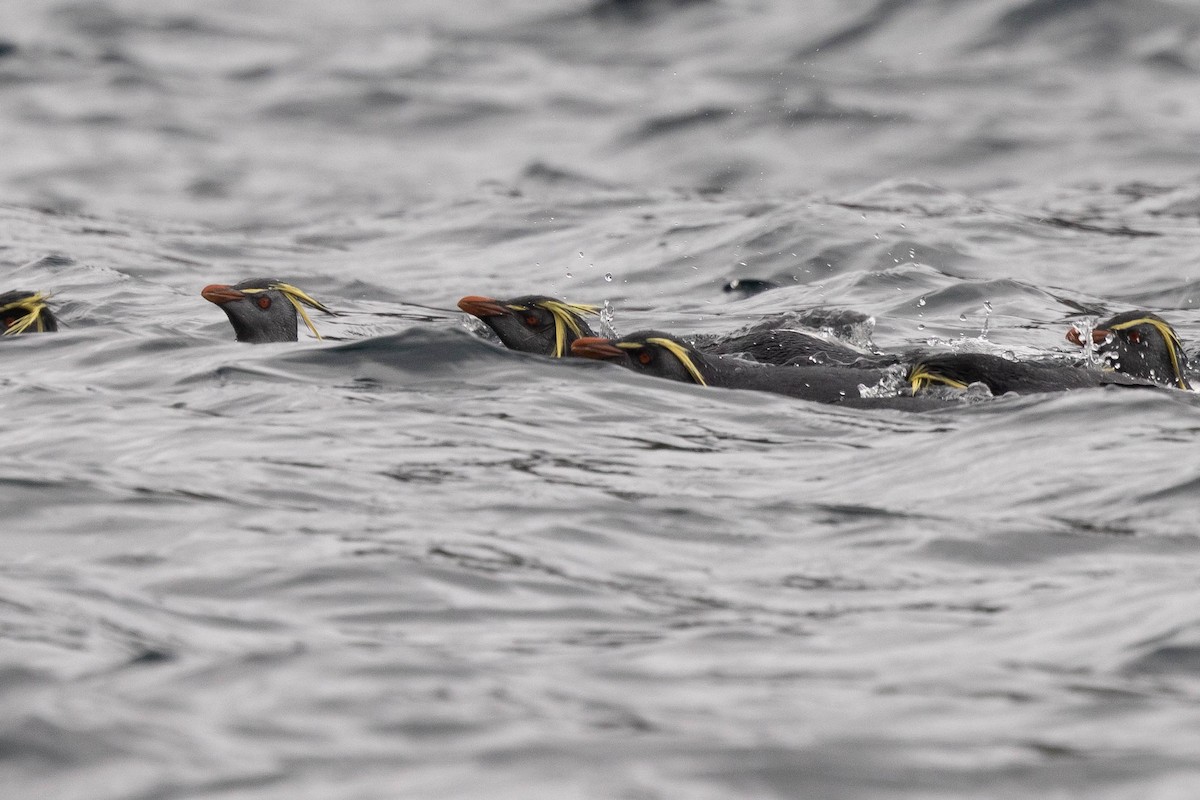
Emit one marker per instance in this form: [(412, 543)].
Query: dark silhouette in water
[(788, 347), (747, 287)]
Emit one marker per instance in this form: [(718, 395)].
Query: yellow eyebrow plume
[(680, 352), (1168, 334), (921, 376), (33, 306), (298, 299), (564, 317)]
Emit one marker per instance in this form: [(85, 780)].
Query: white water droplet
[(608, 276), (921, 303), (962, 317), (921, 326), (607, 314)]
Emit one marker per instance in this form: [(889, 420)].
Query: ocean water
[(401, 561)]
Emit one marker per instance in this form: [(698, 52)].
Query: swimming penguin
[(548, 326), (25, 312), (263, 310), (1140, 344), (664, 356), (1003, 375), (532, 323)]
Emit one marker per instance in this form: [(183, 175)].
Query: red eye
[(644, 357), (264, 302), (532, 321)]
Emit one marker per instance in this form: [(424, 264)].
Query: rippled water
[(403, 562)]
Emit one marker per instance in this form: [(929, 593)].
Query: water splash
[(607, 315), (1083, 328), (892, 384)]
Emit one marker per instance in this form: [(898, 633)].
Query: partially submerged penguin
[(1140, 344), (25, 312), (532, 323), (263, 310), (1137, 348), (664, 356), (1002, 375), (548, 326)]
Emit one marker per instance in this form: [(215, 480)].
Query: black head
[(25, 312), (1140, 344), (651, 352), (262, 310), (532, 324)]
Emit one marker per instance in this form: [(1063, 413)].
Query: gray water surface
[(403, 562)]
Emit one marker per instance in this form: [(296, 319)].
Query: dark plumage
[(1140, 349), (661, 355), (748, 287), (1001, 375), (547, 326), (263, 310), (776, 340), (1140, 344), (787, 347), (533, 323), (25, 312)]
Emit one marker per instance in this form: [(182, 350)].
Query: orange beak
[(220, 293), (1099, 336), (596, 347), (481, 307)]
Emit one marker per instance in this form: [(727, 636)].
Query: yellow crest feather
[(681, 353), (921, 376), (565, 317), (298, 299), (1168, 334), (33, 306)]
